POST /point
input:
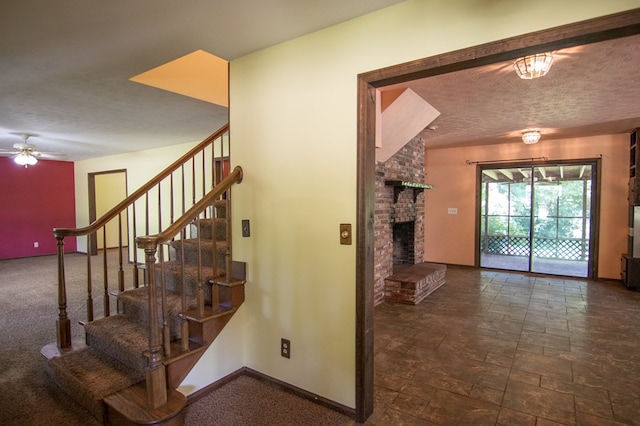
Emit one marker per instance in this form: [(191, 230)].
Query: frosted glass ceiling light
[(25, 159), (533, 66), (531, 136)]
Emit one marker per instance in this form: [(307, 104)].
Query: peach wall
[(451, 238)]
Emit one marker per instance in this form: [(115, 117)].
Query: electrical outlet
[(246, 230), (36, 245), (285, 348)]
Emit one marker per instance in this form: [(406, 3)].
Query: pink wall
[(33, 201), (451, 238)]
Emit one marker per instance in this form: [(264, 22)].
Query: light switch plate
[(345, 234)]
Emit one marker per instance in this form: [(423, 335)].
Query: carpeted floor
[(28, 311)]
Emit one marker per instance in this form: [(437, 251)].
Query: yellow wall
[(294, 121), (451, 238), (110, 189)]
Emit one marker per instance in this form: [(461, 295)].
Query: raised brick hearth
[(415, 282)]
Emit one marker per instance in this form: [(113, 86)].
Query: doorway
[(538, 218), (106, 190), (598, 29)]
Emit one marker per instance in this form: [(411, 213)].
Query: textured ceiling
[(590, 90), (66, 65)]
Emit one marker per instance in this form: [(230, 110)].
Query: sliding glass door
[(537, 218)]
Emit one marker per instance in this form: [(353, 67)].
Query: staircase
[(141, 349)]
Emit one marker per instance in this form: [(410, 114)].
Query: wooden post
[(155, 374), (63, 324)]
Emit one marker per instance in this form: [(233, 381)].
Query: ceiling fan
[(24, 153)]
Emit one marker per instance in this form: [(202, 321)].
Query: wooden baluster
[(215, 294), (159, 207), (120, 255), (146, 214), (166, 335), (184, 323), (200, 287), (63, 323), (132, 246), (214, 168), (204, 174), (89, 280), (228, 236), (193, 181), (184, 191), (171, 200), (105, 273)]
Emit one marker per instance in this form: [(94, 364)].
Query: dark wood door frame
[(92, 203), (585, 32)]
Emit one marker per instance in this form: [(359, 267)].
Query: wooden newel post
[(155, 372), (63, 324)]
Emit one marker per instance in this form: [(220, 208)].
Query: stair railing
[(159, 339), (174, 189)]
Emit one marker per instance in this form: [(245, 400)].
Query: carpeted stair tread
[(135, 304), (87, 376), (121, 337)]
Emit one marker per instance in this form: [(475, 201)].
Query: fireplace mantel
[(401, 185)]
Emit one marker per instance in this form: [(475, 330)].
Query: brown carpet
[(28, 311)]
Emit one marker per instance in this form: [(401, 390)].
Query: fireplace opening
[(404, 244)]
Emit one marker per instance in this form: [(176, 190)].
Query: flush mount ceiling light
[(531, 136), (533, 66)]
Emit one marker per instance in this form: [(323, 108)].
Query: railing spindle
[(132, 246), (166, 335), (105, 272), (193, 181), (120, 255), (200, 288), (89, 280), (184, 325)]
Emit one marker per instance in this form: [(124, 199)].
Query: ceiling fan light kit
[(24, 154), (533, 66), (25, 158)]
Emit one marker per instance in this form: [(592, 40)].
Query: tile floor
[(497, 348)]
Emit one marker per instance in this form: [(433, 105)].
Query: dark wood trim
[(365, 245), (590, 31), (594, 250)]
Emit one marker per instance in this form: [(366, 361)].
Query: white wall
[(294, 121)]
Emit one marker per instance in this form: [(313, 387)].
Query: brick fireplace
[(399, 214)]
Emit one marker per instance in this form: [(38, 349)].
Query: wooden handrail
[(152, 241), (97, 224)]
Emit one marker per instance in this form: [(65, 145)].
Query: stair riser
[(78, 394), (207, 231), (190, 253), (173, 282)]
